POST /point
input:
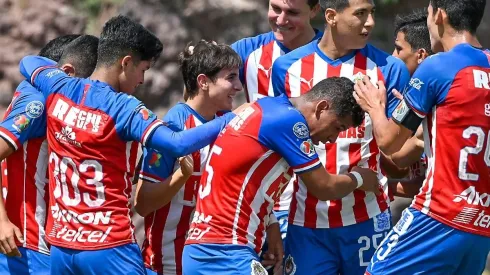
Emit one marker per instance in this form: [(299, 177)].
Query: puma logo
[(262, 68)]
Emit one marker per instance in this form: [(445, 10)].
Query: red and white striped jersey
[(166, 228), (294, 74), (247, 169), (454, 97), (24, 172), (258, 54)]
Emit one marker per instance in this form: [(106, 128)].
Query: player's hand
[(241, 108), (368, 96), (8, 233), (370, 180), (186, 165), (275, 254)]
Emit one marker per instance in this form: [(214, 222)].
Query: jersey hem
[(450, 223), (36, 249), (207, 241), (98, 247)]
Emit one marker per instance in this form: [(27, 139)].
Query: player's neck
[(453, 38), (304, 38), (106, 75), (331, 46), (203, 107)]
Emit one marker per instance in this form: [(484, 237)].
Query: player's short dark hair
[(207, 58), (54, 49), (312, 3), (463, 15), (338, 5), (122, 36), (414, 26), (82, 54), (339, 93)]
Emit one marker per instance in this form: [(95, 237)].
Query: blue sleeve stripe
[(307, 166), (149, 130), (7, 136)]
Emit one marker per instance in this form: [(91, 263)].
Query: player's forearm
[(386, 132), (153, 196), (406, 188), (178, 144), (409, 153), (391, 168), (30, 64)]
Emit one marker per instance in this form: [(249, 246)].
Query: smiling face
[(224, 88), (289, 19), (354, 24)]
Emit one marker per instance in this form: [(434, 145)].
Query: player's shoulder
[(285, 61), (254, 42), (26, 91), (177, 115), (277, 110), (381, 58)]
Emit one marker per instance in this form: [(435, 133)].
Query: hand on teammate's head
[(368, 96)]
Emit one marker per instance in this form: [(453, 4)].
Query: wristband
[(358, 178)]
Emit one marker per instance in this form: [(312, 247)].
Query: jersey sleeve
[(428, 87), (397, 77), (157, 166), (240, 47), (26, 119), (43, 74), (288, 135)]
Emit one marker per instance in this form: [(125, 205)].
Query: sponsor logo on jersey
[(53, 73), (289, 266), (482, 220), (416, 83), (401, 111), (67, 136), (301, 130), (69, 216), (466, 215), (307, 148), (34, 109), (80, 235), (77, 118), (155, 159), (257, 268), (472, 197), (404, 223), (21, 122)]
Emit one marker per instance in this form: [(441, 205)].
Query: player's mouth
[(283, 28), (365, 35)]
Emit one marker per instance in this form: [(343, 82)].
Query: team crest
[(289, 266), (20, 123), (382, 222), (34, 109), (145, 113), (257, 268), (307, 148), (356, 77), (155, 159), (301, 130)]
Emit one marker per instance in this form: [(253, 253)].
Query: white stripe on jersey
[(11, 141), (242, 191), (431, 159), (41, 181), (128, 196)]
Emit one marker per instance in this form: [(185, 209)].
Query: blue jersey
[(295, 74), (454, 98), (258, 54)]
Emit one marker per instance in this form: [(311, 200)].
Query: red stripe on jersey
[(152, 247), (333, 71), (250, 192), (334, 216), (307, 68), (360, 64), (373, 164), (266, 62), (85, 89), (190, 185), (15, 204), (360, 210), (287, 86), (260, 229), (294, 202), (245, 80), (30, 194), (182, 228)]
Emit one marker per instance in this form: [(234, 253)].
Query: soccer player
[(23, 147), (446, 230), (94, 129), (240, 186), (210, 73), (290, 23), (347, 230)]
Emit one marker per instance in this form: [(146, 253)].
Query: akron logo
[(34, 109), (289, 266), (301, 130)]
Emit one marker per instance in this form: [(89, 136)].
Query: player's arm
[(151, 196), (406, 188), (391, 169), (411, 150)]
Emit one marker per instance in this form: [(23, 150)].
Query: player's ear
[(321, 106), (421, 55), (126, 61), (440, 16), (330, 17), (314, 11), (202, 82), (68, 68)]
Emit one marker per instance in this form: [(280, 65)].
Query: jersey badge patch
[(145, 113), (257, 268), (21, 122), (307, 148), (155, 159), (34, 109), (401, 111), (289, 266), (382, 222), (301, 130)]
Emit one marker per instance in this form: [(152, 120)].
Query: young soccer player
[(240, 187), (346, 230), (210, 73), (23, 148), (448, 95), (94, 131)]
